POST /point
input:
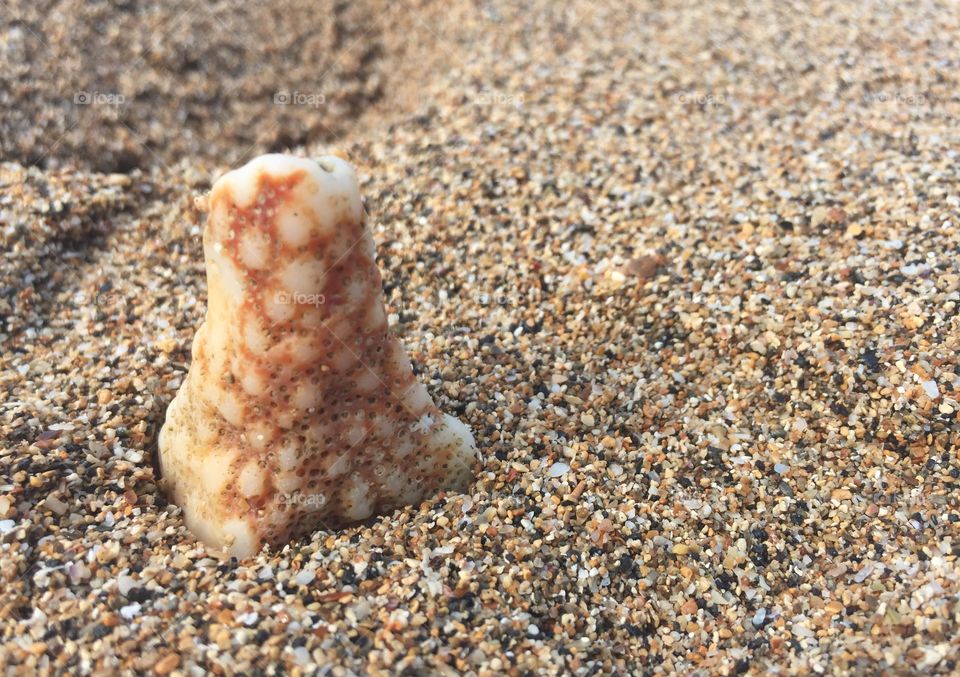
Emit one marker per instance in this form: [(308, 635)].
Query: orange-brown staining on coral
[(300, 409)]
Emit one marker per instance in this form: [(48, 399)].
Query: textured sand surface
[(688, 271)]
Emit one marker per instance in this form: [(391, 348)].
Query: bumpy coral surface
[(300, 410)]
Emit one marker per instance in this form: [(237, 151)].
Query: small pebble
[(125, 584), (248, 618), (130, 611), (306, 576), (167, 664)]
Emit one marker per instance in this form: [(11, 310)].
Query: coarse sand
[(689, 271)]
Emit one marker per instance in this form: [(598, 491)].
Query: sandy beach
[(689, 272)]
